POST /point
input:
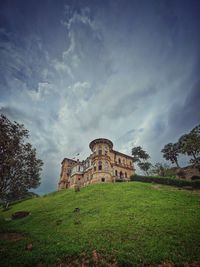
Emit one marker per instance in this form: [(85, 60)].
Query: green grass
[(130, 222)]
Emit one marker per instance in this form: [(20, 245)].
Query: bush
[(119, 180), (195, 177), (167, 181)]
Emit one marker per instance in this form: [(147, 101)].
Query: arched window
[(99, 165), (124, 161), (116, 174), (121, 174), (119, 160), (125, 175), (95, 168)]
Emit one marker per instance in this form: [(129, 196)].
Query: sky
[(73, 71)]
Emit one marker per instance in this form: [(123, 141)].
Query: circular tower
[(101, 160)]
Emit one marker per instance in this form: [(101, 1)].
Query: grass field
[(121, 224)]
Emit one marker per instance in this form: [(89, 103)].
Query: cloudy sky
[(72, 71)]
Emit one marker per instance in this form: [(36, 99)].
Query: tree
[(145, 166), (160, 169), (196, 130), (189, 144), (139, 154), (19, 167), (170, 152)]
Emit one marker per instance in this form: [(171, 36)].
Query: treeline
[(195, 184), (188, 144)]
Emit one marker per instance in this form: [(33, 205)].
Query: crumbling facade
[(103, 165)]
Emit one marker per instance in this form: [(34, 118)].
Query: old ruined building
[(103, 165)]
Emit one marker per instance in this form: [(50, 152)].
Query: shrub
[(119, 180), (195, 177), (167, 181)]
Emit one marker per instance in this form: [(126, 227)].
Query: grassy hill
[(121, 224)]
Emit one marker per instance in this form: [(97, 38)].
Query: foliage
[(196, 130), (167, 181), (196, 162), (19, 167), (140, 156), (134, 223), (160, 169), (170, 152), (189, 144), (145, 166)]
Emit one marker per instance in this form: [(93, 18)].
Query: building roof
[(122, 154), (100, 141), (71, 160)]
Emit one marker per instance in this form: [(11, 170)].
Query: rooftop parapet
[(100, 141)]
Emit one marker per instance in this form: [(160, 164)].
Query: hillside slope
[(118, 225)]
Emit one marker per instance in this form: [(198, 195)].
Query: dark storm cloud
[(72, 71), (129, 103), (184, 117)]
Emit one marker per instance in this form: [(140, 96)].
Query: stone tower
[(101, 160)]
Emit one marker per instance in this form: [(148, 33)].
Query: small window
[(119, 160), (95, 168), (103, 180), (100, 152), (130, 163), (99, 165), (106, 166), (116, 173), (106, 150), (125, 175)]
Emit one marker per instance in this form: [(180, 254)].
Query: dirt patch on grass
[(172, 264), (96, 260), (157, 187), (11, 236), (196, 192)]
